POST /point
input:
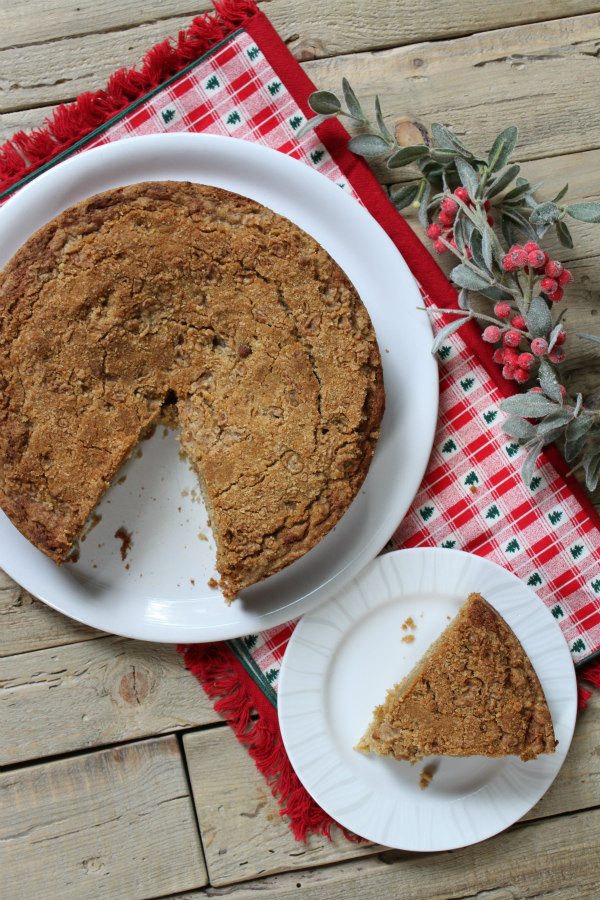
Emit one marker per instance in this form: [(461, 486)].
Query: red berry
[(521, 376), (492, 334), (445, 218), (554, 268), (508, 265), (518, 322), (508, 372), (563, 391), (539, 346), (535, 390), (511, 357), (526, 360), (449, 206), (511, 338), (439, 247), (561, 338), (548, 285), (499, 355), (468, 252), (530, 246), (490, 220), (502, 310), (433, 231), (565, 277), (518, 256), (557, 355), (462, 194), (536, 258), (556, 295), (487, 205)]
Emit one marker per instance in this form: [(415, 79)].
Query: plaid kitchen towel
[(231, 74)]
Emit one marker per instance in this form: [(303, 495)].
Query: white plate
[(163, 595), (342, 659)]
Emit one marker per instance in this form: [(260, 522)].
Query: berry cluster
[(530, 257), (512, 331), (445, 221)]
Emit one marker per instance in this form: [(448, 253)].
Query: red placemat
[(231, 74)]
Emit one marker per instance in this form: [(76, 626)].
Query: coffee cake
[(190, 302), (474, 693)]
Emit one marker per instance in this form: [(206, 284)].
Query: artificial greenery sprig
[(477, 207)]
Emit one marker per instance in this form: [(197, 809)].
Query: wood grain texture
[(101, 692), (28, 624), (113, 824), (553, 859), (243, 834), (338, 26)]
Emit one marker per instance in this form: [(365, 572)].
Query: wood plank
[(28, 624), (331, 28), (243, 834), (119, 823), (540, 77), (552, 62), (553, 859), (94, 693)]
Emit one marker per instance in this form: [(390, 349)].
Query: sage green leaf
[(521, 188), (508, 230), (554, 335), (501, 181), (539, 320), (561, 193), (463, 298), (591, 466), (445, 157), (502, 148), (424, 205), (444, 139), (494, 293), (475, 245), (465, 277), (446, 331), (368, 145), (406, 155), (518, 428), (354, 107), (584, 212), (545, 214), (467, 175), (549, 382), (486, 249), (528, 466), (554, 421), (459, 231), (575, 436), (324, 102), (578, 404), (520, 222), (310, 124), (564, 235), (530, 406), (594, 338), (404, 196), (385, 132)]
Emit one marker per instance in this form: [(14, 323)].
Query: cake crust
[(173, 296), (473, 693)]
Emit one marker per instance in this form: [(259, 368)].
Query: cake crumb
[(73, 556), (427, 774), (212, 583), (409, 623), (122, 479), (408, 638), (124, 536), (193, 582), (202, 536), (165, 432), (185, 492), (138, 453)]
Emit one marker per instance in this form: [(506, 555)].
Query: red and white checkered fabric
[(472, 497)]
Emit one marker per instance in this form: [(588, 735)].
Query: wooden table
[(120, 780)]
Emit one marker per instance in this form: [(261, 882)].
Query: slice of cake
[(474, 693)]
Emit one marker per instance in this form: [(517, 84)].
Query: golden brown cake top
[(179, 294), (474, 692)]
